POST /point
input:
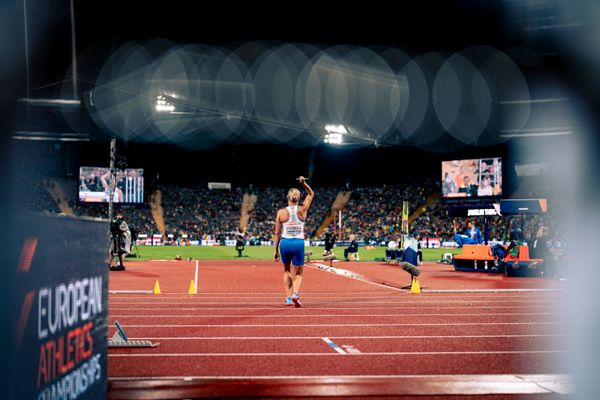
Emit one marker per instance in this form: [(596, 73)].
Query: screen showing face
[(94, 185), (479, 177)]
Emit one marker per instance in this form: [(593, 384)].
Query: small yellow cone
[(156, 288), (415, 287), (192, 289)]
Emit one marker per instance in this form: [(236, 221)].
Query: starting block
[(120, 339)]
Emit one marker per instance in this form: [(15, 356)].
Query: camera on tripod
[(118, 225), (120, 239)]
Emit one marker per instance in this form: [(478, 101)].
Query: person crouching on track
[(352, 248), (289, 238), (328, 253)]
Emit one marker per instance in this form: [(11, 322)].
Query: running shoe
[(296, 300), (288, 301)]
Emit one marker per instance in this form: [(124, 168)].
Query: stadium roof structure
[(415, 77)]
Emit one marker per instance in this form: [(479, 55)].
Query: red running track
[(237, 329)]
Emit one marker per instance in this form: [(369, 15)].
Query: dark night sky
[(101, 27), (416, 27)]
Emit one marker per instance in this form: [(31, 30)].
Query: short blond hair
[(293, 195)]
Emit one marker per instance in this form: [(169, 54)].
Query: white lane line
[(350, 295), (357, 276), (351, 275), (194, 308), (394, 353), (271, 293), (130, 292), (199, 301), (333, 345), (333, 325), (350, 349), (196, 277), (524, 290), (179, 316), (347, 337), (346, 303), (432, 377), (492, 292)]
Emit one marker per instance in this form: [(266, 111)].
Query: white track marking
[(469, 378), (233, 302), (130, 292), (196, 277), (496, 295), (345, 337), (334, 325), (194, 308), (333, 345), (394, 353), (350, 275), (273, 294), (357, 276), (525, 290), (129, 295), (331, 315)]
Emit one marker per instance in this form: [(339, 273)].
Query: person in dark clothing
[(467, 187), (120, 243), (329, 243), (540, 249), (239, 244), (353, 248)]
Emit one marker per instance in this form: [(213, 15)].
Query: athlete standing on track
[(289, 235)]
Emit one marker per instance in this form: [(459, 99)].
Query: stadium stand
[(372, 213)]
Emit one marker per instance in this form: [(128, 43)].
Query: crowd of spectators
[(32, 194), (373, 214), (202, 213), (262, 220), (261, 224)]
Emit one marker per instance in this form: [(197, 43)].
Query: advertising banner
[(58, 308)]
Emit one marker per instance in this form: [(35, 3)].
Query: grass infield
[(259, 253)]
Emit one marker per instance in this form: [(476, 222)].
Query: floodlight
[(341, 129), (162, 105), (333, 138)]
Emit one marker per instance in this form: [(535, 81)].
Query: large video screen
[(479, 177), (94, 185)]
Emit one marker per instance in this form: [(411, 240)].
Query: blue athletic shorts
[(292, 250)]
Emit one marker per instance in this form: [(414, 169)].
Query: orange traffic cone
[(192, 289), (415, 287), (156, 288)]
